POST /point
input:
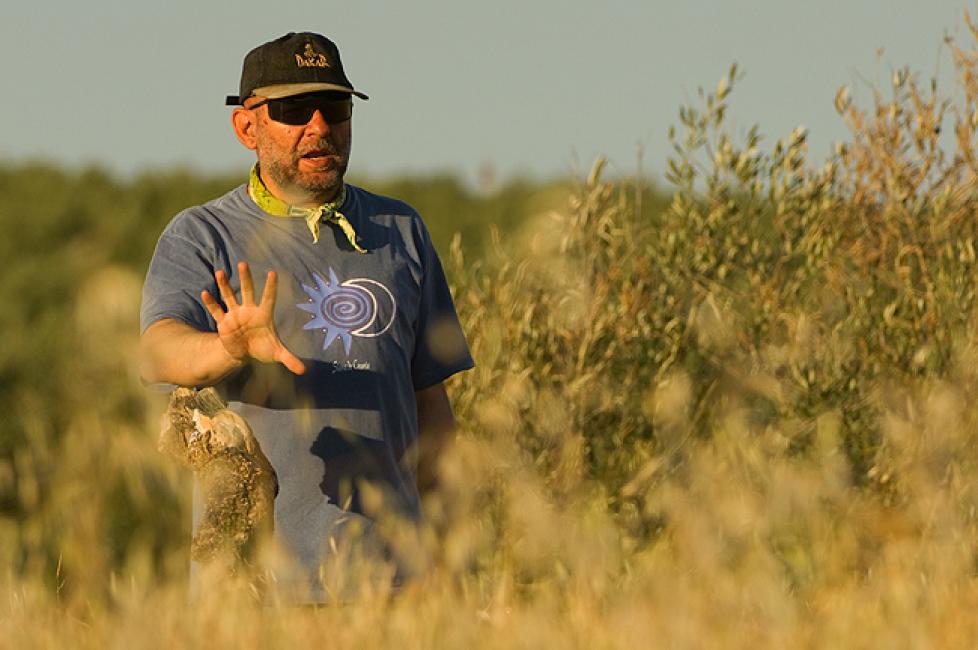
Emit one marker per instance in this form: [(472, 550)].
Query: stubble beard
[(284, 171)]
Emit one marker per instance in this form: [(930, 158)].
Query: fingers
[(227, 293), (283, 356), (247, 287), (212, 306), (270, 292)]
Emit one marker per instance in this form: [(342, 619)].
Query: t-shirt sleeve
[(440, 349), (182, 266)]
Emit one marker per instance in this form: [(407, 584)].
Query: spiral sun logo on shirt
[(359, 307)]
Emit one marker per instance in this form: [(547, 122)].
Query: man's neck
[(298, 197)]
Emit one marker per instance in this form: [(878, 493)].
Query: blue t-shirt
[(371, 329)]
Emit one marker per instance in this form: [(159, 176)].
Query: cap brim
[(288, 90)]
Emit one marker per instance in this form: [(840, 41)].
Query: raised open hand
[(247, 329)]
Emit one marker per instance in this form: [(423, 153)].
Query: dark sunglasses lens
[(300, 111)]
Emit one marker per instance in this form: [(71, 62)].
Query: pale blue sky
[(528, 87)]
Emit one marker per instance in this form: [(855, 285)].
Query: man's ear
[(244, 122)]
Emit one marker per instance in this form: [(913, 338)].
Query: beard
[(283, 168)]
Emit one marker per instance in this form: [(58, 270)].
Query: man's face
[(302, 160)]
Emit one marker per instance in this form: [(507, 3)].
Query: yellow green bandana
[(327, 212)]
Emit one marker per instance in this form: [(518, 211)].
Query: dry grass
[(746, 422)]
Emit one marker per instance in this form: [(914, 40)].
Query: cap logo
[(310, 58)]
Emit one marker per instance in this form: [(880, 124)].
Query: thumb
[(290, 361)]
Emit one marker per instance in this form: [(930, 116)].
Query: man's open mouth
[(317, 153)]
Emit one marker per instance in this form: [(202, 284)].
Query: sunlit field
[(735, 410)]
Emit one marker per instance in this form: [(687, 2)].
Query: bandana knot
[(326, 213)]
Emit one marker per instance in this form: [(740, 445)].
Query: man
[(339, 365)]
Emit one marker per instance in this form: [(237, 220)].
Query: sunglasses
[(297, 111)]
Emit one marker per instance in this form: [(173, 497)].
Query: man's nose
[(317, 122)]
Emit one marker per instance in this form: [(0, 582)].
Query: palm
[(247, 331), (247, 328)]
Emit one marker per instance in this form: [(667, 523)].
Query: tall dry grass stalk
[(748, 421)]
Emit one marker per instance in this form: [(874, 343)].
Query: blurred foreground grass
[(744, 418)]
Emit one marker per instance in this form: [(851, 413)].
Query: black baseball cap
[(293, 64)]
